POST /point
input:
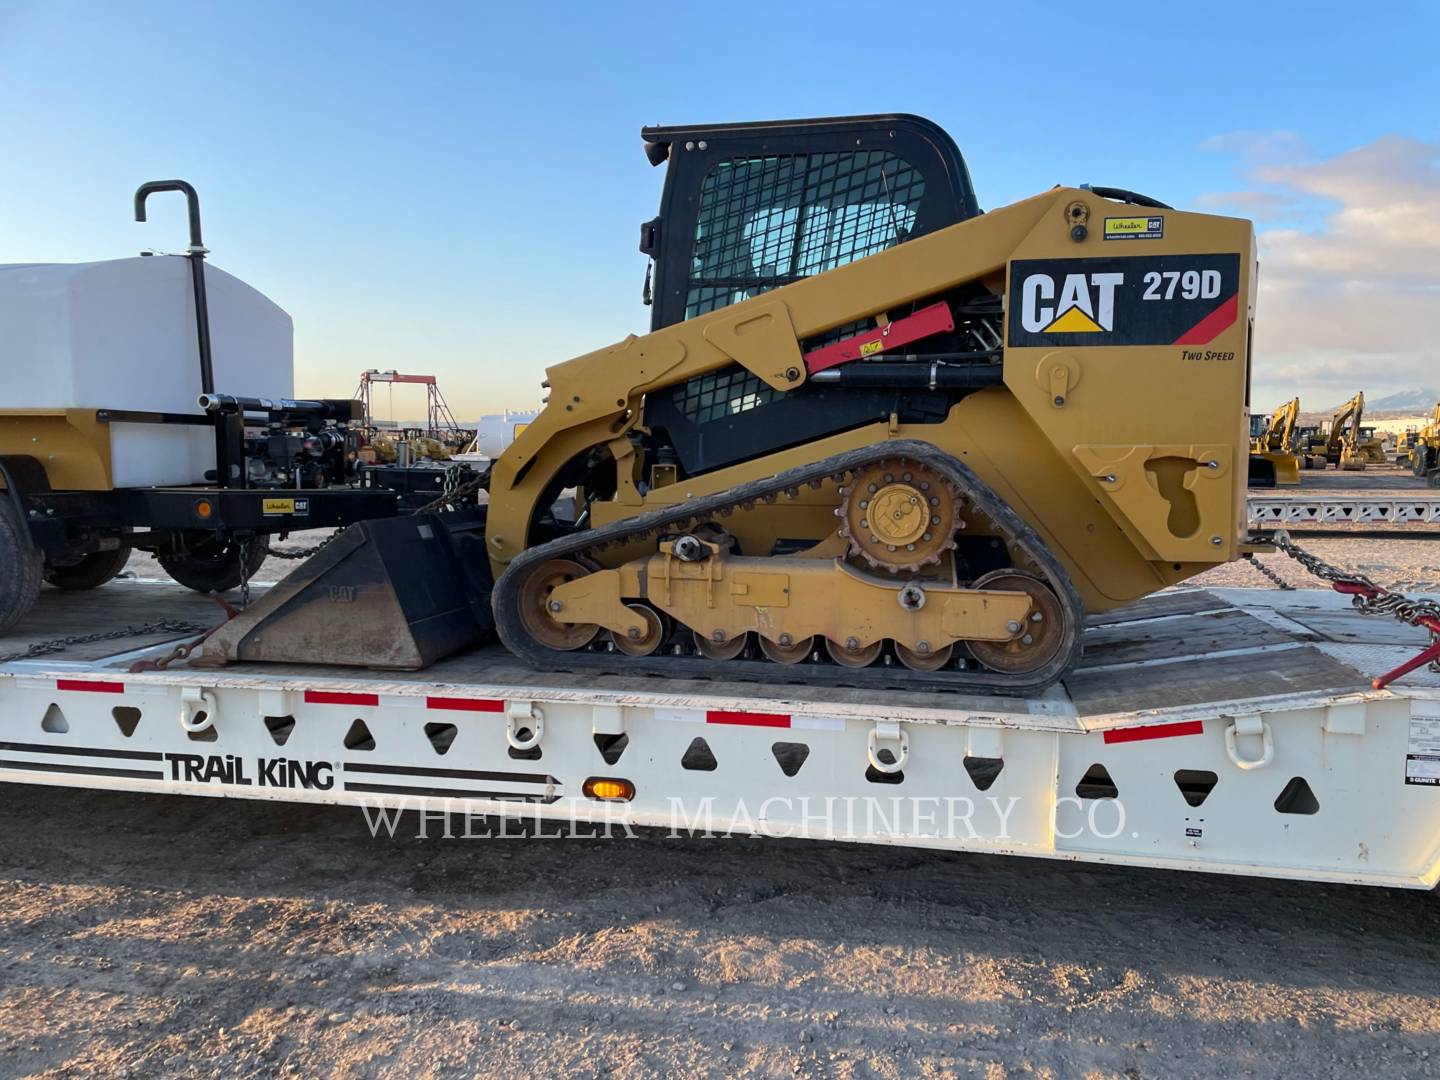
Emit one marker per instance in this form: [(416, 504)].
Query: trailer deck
[(1225, 729)]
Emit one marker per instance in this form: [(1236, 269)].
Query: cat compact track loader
[(873, 436)]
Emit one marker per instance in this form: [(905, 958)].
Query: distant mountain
[(1419, 400)]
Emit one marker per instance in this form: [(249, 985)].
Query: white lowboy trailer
[(1227, 730)]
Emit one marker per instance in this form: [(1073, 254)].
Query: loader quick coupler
[(878, 602)]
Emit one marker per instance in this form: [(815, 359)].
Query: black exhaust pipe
[(196, 254)]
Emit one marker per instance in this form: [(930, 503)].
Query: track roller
[(792, 653), (853, 656), (720, 650)]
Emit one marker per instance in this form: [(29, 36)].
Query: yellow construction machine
[(1339, 441), (874, 436), (1371, 445), (1424, 450), (1403, 444), (1274, 444)]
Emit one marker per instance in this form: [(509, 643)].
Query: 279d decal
[(1154, 300)]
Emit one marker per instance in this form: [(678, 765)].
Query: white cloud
[(1350, 302)]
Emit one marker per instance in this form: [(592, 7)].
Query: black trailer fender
[(23, 476)]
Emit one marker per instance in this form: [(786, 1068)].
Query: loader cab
[(750, 207)]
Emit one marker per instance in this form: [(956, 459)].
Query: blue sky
[(457, 188)]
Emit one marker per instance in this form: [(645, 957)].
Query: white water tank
[(120, 334)]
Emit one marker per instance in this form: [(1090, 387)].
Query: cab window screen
[(764, 222)]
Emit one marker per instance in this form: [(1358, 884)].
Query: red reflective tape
[(750, 719), (465, 704), (335, 697), (1209, 328), (935, 319), (90, 686), (1155, 731)]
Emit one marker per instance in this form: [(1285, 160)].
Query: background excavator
[(1338, 442), (1272, 447), (873, 436)]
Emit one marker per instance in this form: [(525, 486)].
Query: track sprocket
[(899, 515)]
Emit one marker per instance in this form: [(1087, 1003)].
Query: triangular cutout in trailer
[(699, 757), (441, 736), (1096, 784), (127, 719), (1297, 798), (280, 728), (790, 756), (611, 746), (359, 737), (983, 771), (54, 721)]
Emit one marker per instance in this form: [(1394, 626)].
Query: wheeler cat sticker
[(1134, 228)]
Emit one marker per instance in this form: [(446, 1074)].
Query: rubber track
[(688, 515)]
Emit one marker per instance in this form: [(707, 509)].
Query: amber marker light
[(204, 509), (608, 789)]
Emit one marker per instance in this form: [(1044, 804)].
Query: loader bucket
[(397, 593)]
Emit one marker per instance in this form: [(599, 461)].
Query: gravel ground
[(1393, 563), (149, 936)]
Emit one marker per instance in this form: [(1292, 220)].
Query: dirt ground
[(149, 936), (1393, 563)]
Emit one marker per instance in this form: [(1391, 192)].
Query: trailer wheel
[(90, 572), (212, 565), (20, 565)]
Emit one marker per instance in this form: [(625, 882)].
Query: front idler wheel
[(538, 609)]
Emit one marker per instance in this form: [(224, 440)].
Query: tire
[(21, 566), (212, 565), (90, 572)]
